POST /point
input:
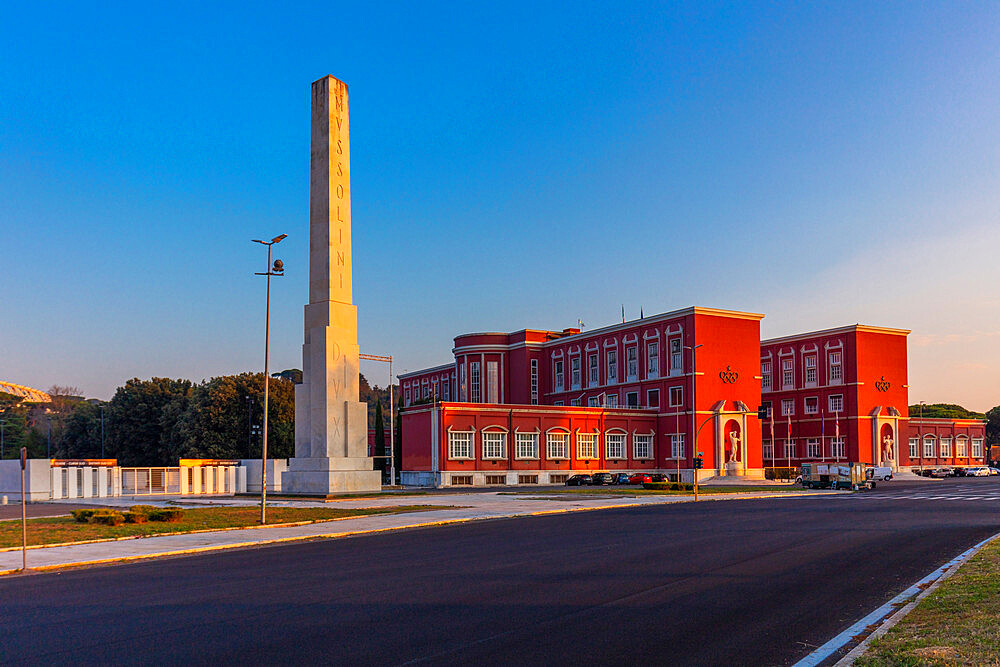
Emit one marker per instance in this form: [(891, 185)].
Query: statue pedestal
[(734, 469)]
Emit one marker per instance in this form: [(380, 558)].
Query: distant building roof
[(27, 394)]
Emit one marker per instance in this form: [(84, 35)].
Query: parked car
[(940, 473), (995, 471), (658, 477), (640, 478), (622, 478), (579, 480), (981, 471), (959, 471), (599, 478), (880, 472)]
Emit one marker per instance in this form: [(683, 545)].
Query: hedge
[(667, 486)]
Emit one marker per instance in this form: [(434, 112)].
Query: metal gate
[(150, 481)]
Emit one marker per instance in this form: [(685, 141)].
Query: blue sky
[(512, 166)]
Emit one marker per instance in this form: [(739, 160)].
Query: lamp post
[(694, 416), (920, 435), (276, 269), (249, 425)]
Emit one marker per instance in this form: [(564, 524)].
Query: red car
[(640, 478)]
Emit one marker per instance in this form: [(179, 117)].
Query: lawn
[(61, 530), (958, 624)]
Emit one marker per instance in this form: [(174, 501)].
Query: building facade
[(536, 406)]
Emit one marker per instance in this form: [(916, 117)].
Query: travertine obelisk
[(331, 425)]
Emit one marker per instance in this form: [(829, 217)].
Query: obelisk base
[(326, 482)]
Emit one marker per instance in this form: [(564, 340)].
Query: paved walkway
[(456, 508)]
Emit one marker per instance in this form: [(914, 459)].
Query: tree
[(141, 421), (215, 423), (993, 426), (943, 411), (380, 463), (81, 433)]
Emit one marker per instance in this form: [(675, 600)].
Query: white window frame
[(649, 394), (575, 372), (557, 376), (676, 356), (944, 446), (611, 400), (593, 370), (574, 402), (652, 359), (813, 448), (765, 375), (962, 447), (768, 450), (790, 450), (814, 406), (977, 448), (631, 403), (642, 445), (494, 444), (809, 362), (492, 382), (557, 445), (677, 446), (526, 445), (534, 381), (463, 385), (838, 447), (586, 442), (631, 363), (612, 357), (929, 446), (788, 407), (461, 445), (594, 402), (914, 448), (614, 445), (407, 396), (788, 373), (835, 367), (676, 397), (835, 403), (475, 382)]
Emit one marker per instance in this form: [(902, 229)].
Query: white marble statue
[(734, 444), (888, 442)]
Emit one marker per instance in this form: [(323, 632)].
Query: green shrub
[(780, 473), (82, 516), (135, 517), (145, 510), (108, 518), (167, 514), (666, 486)]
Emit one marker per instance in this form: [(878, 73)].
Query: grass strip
[(63, 530), (958, 624)]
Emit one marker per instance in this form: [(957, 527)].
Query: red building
[(628, 397), (535, 406)]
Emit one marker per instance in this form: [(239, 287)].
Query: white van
[(879, 472)]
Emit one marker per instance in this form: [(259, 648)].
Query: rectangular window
[(768, 450), (810, 370), (929, 447), (446, 393), (811, 405), (812, 448), (962, 448), (611, 400), (460, 444), (614, 445), (558, 479), (407, 396), (461, 480), (914, 447), (494, 445), (492, 382), (557, 445), (496, 480), (585, 445), (557, 376), (574, 372), (632, 360), (574, 402), (427, 391), (676, 366), (632, 399), (977, 448), (642, 446), (787, 407), (594, 402), (653, 398), (527, 479), (612, 366), (475, 382), (790, 449), (836, 403), (677, 446), (765, 376), (837, 448), (534, 381), (527, 446), (652, 359), (787, 374), (945, 448), (767, 408), (676, 396), (463, 386), (836, 370), (593, 378)]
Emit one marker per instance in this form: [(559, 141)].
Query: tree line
[(155, 422)]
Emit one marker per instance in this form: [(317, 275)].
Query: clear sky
[(512, 166)]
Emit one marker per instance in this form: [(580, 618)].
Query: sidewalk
[(465, 507)]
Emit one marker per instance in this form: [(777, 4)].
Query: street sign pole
[(24, 515)]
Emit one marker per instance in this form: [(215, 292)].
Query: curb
[(350, 533), (888, 614)]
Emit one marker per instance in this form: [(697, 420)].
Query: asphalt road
[(724, 582)]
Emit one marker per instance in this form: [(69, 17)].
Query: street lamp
[(275, 269), (694, 417)]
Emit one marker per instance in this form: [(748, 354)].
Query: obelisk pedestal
[(331, 425)]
